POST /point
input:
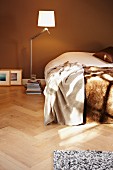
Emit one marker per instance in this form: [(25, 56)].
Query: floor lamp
[(45, 19)]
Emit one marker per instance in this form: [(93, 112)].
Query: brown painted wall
[(81, 25)]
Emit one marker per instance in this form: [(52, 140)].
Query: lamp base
[(33, 78)]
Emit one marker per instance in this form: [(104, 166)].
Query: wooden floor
[(26, 144)]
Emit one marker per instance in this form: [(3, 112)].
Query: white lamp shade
[(46, 19)]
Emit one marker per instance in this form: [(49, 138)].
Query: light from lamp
[(46, 19)]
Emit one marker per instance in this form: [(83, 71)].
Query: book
[(33, 86), (33, 92), (29, 89)]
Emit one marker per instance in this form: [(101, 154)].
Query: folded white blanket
[(64, 95)]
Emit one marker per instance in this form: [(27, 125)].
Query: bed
[(79, 88)]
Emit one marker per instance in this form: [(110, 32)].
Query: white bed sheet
[(85, 58)]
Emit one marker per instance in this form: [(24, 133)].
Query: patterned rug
[(83, 160)]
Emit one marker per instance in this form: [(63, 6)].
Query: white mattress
[(85, 58)]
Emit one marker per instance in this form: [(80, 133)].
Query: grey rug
[(83, 160)]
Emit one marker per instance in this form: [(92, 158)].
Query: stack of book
[(33, 87)]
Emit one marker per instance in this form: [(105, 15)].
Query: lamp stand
[(33, 76)]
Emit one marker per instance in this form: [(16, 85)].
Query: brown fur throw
[(99, 94)]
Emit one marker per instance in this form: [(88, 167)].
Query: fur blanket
[(99, 94)]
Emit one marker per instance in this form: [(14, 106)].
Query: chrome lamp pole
[(45, 19), (33, 76)]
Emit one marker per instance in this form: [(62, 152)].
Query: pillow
[(105, 54)]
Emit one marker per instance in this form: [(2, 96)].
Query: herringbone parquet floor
[(26, 144)]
